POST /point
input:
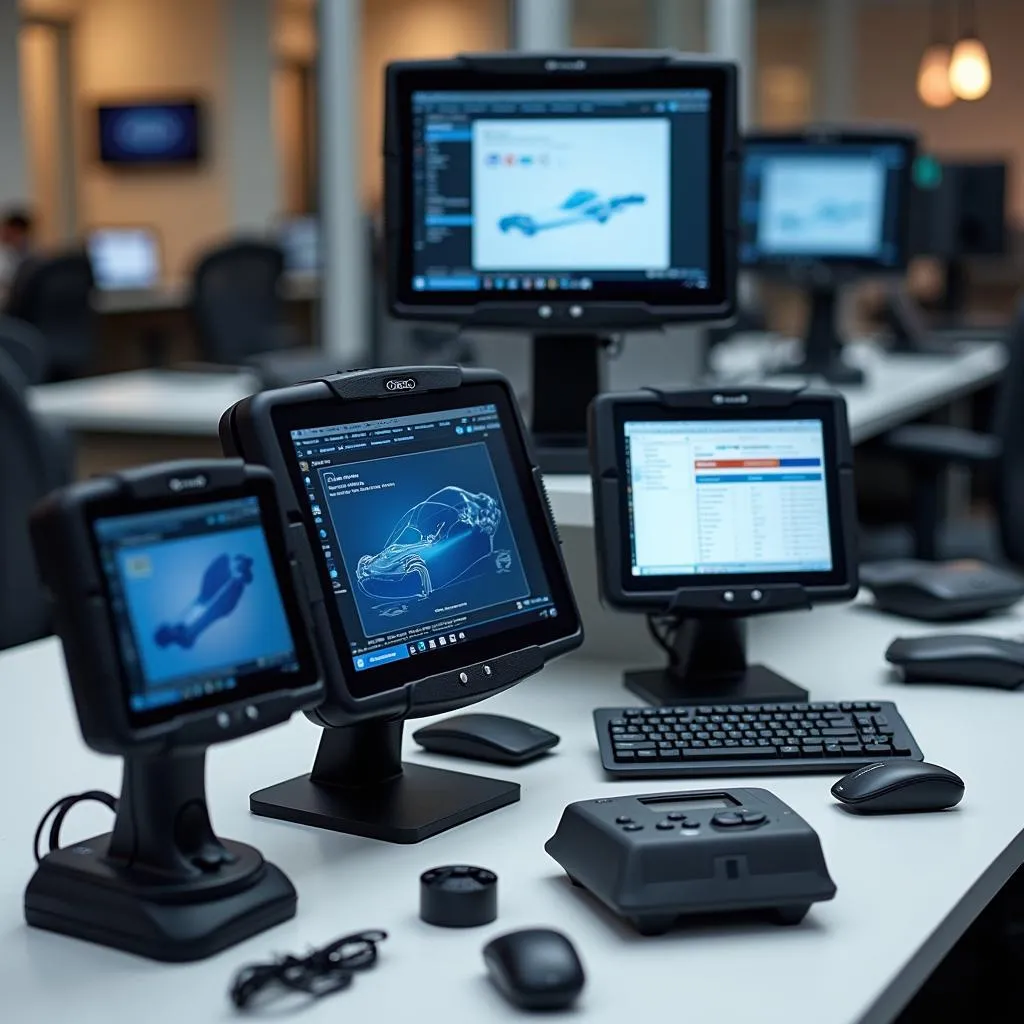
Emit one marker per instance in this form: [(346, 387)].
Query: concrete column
[(13, 151), (541, 24), (677, 25), (344, 321), (255, 190), (838, 61), (730, 34)]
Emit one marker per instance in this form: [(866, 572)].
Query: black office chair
[(33, 460), (54, 295), (929, 450), (25, 347), (236, 302)]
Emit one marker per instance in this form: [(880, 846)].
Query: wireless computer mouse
[(898, 787), (959, 658), (492, 738), (941, 591), (535, 969)]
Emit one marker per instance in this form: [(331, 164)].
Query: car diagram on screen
[(445, 539), (221, 589), (582, 207)]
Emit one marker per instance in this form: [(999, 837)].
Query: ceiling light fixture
[(970, 72), (933, 78)]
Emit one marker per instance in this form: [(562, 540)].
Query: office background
[(252, 64)]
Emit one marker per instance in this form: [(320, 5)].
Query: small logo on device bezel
[(730, 399), (565, 65), (188, 483), (401, 384)]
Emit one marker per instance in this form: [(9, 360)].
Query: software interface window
[(422, 530), (558, 190), (195, 599), (821, 201), (124, 258), (727, 497)]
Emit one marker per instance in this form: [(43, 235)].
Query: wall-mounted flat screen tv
[(150, 134)]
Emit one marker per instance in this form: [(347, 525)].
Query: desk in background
[(908, 886)]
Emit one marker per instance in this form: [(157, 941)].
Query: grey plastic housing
[(653, 877)]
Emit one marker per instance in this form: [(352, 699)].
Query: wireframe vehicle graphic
[(223, 584), (581, 207), (440, 541)]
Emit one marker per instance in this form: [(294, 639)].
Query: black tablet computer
[(732, 501), (589, 190), (431, 559)]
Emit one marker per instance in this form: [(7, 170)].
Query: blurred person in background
[(15, 243)]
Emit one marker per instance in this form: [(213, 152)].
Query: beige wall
[(38, 64), (129, 49), (409, 29)]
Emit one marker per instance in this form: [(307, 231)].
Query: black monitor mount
[(161, 885), (359, 785), (823, 346), (567, 375), (707, 652)]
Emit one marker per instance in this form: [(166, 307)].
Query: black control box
[(654, 858)]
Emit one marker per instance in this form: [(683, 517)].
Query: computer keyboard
[(749, 739)]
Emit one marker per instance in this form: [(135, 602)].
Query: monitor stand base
[(359, 785), (78, 891), (755, 685), (420, 803)]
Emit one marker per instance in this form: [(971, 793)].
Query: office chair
[(239, 315), (25, 347), (33, 461), (929, 450), (54, 295)]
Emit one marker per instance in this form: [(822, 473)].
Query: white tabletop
[(907, 886), (898, 388), (144, 401)]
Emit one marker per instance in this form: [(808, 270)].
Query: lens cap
[(458, 896)]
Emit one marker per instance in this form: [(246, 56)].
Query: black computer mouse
[(959, 658), (492, 738), (535, 969), (899, 787)]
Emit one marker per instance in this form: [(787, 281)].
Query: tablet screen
[(712, 498), (434, 552), (196, 603)]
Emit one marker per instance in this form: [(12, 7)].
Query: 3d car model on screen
[(579, 208), (223, 584), (442, 540)]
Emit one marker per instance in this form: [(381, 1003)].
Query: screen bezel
[(193, 159), (392, 676), (654, 299), (250, 686), (804, 409), (825, 137)]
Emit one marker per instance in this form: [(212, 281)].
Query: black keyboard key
[(616, 722), (725, 753), (669, 755), (839, 731), (634, 746), (789, 751), (625, 755), (647, 755), (833, 749), (877, 748)]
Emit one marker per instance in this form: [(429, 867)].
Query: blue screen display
[(195, 599), (149, 133), (423, 531)]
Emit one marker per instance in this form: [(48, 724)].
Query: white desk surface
[(899, 388), (144, 401), (907, 886)]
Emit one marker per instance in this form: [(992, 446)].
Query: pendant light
[(970, 73), (933, 81)]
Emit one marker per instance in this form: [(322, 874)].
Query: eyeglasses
[(320, 973)]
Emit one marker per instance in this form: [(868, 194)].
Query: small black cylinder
[(458, 896)]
